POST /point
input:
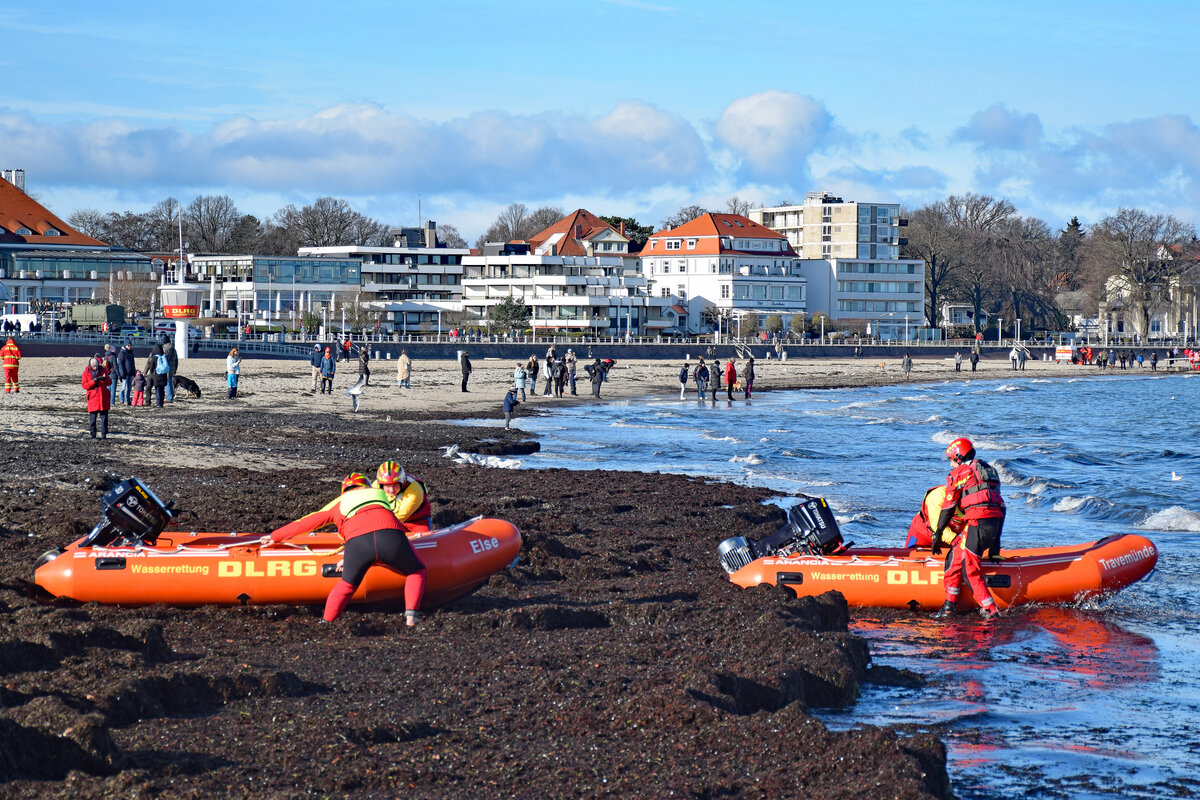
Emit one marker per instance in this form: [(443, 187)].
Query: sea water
[(1093, 701)]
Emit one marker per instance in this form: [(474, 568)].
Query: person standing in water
[(973, 487)]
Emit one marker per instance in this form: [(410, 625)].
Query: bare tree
[(541, 219), (933, 238), (978, 220), (329, 222), (736, 205), (1022, 252), (137, 295), (684, 215), (449, 235), (515, 223), (1136, 254), (89, 222), (210, 223), (162, 223)]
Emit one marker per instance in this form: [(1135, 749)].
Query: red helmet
[(960, 450), (354, 480), (391, 472)]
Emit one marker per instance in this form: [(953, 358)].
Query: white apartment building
[(415, 268), (725, 264), (584, 294), (851, 255)]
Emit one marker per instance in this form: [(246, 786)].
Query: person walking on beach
[(314, 360), (701, 376), (730, 377), (157, 369), (958, 362), (1154, 361), (973, 486), (168, 350), (519, 376), (96, 382), (532, 367), (373, 536), (328, 369), (974, 359), (683, 380), (138, 388), (126, 369), (595, 373), (465, 364), (510, 405), (10, 357), (1022, 355), (364, 364), (748, 378), (233, 371), (1012, 358), (571, 363), (404, 370), (906, 366)]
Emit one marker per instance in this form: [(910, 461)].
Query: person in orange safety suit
[(373, 536), (10, 357), (973, 487)]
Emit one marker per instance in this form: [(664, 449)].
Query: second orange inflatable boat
[(809, 558)]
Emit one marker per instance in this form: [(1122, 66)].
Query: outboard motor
[(132, 515), (811, 529)]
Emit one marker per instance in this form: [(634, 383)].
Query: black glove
[(936, 547)]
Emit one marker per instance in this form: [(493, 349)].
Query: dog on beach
[(187, 385)]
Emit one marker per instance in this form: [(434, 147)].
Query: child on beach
[(139, 389)]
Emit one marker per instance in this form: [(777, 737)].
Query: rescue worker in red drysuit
[(406, 495), (373, 536), (10, 356), (973, 486), (920, 530)]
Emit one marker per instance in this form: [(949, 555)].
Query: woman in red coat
[(730, 377), (96, 381)]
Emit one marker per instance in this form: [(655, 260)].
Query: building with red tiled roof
[(25, 221), (580, 233), (724, 267), (44, 261)]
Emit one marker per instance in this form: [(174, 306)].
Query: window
[(682, 264), (725, 291), (673, 244), (53, 232), (23, 231), (666, 292), (666, 265), (691, 244)]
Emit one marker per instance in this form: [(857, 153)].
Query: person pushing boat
[(974, 487), (364, 519), (406, 495)]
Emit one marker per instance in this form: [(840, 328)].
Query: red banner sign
[(181, 312)]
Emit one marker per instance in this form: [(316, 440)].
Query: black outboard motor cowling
[(132, 515), (811, 529)]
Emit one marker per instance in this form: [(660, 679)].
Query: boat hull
[(195, 569), (902, 578)]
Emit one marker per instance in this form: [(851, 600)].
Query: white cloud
[(774, 132)]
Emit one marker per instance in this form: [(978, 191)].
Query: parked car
[(129, 331), (167, 326)]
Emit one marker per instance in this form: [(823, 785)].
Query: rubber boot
[(946, 610), (989, 612)]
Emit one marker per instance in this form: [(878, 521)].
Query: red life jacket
[(975, 488)]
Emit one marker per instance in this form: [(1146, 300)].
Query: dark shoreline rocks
[(613, 660)]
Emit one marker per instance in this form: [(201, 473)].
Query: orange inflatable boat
[(124, 565), (808, 557)]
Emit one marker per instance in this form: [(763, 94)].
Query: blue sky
[(620, 106)]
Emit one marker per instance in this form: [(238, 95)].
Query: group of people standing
[(701, 374)]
